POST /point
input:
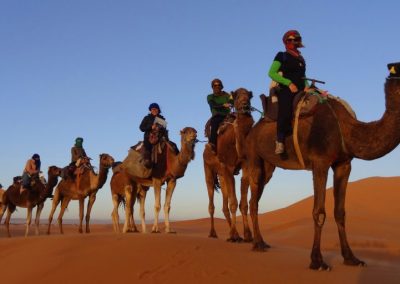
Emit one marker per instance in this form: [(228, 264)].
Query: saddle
[(229, 119), (308, 101)]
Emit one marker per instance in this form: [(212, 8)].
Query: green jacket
[(216, 103)]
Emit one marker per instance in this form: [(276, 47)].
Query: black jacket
[(147, 123)]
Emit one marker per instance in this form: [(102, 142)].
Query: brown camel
[(330, 138), (223, 166), (124, 189), (36, 196), (170, 167), (89, 184)]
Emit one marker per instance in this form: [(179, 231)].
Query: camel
[(330, 138), (124, 188), (169, 168), (36, 196), (226, 163), (90, 183)]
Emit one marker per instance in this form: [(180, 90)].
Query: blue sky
[(91, 68)]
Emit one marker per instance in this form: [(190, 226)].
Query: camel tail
[(217, 184), (121, 200)]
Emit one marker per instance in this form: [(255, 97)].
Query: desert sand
[(373, 227)]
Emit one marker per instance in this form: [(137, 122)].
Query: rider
[(152, 121), (288, 69), (220, 103), (32, 167), (77, 153)]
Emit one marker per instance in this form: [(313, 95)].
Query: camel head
[(189, 137), (106, 160), (242, 99), (54, 171)]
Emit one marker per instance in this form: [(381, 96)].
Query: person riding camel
[(78, 152), (155, 130), (152, 123), (220, 104), (288, 70), (32, 167), (78, 157)]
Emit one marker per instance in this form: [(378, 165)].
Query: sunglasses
[(298, 39)]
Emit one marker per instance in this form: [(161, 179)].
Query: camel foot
[(248, 237), (155, 232), (213, 234), (133, 231), (80, 231), (261, 246), (235, 239), (171, 232), (353, 261), (320, 266)]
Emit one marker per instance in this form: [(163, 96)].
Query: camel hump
[(345, 104), (138, 146), (117, 167)]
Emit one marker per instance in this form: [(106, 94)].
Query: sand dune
[(373, 227)]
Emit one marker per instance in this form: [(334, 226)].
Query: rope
[(295, 132)]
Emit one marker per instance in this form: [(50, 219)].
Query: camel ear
[(181, 132), (233, 94)]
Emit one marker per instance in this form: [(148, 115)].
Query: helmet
[(292, 34), (216, 80), (154, 105), (36, 156)]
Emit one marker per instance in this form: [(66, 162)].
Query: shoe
[(279, 148)]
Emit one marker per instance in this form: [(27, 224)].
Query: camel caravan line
[(326, 135)]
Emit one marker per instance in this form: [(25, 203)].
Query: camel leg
[(233, 204), (320, 174), (128, 208), (3, 209), (81, 213), (39, 209), (64, 204), (340, 179), (225, 207), (142, 195), (259, 176), (167, 205), (114, 214), (92, 199), (132, 225), (157, 205), (244, 207), (10, 210), (56, 201), (210, 182), (28, 220)]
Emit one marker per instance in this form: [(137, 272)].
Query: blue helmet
[(154, 105)]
